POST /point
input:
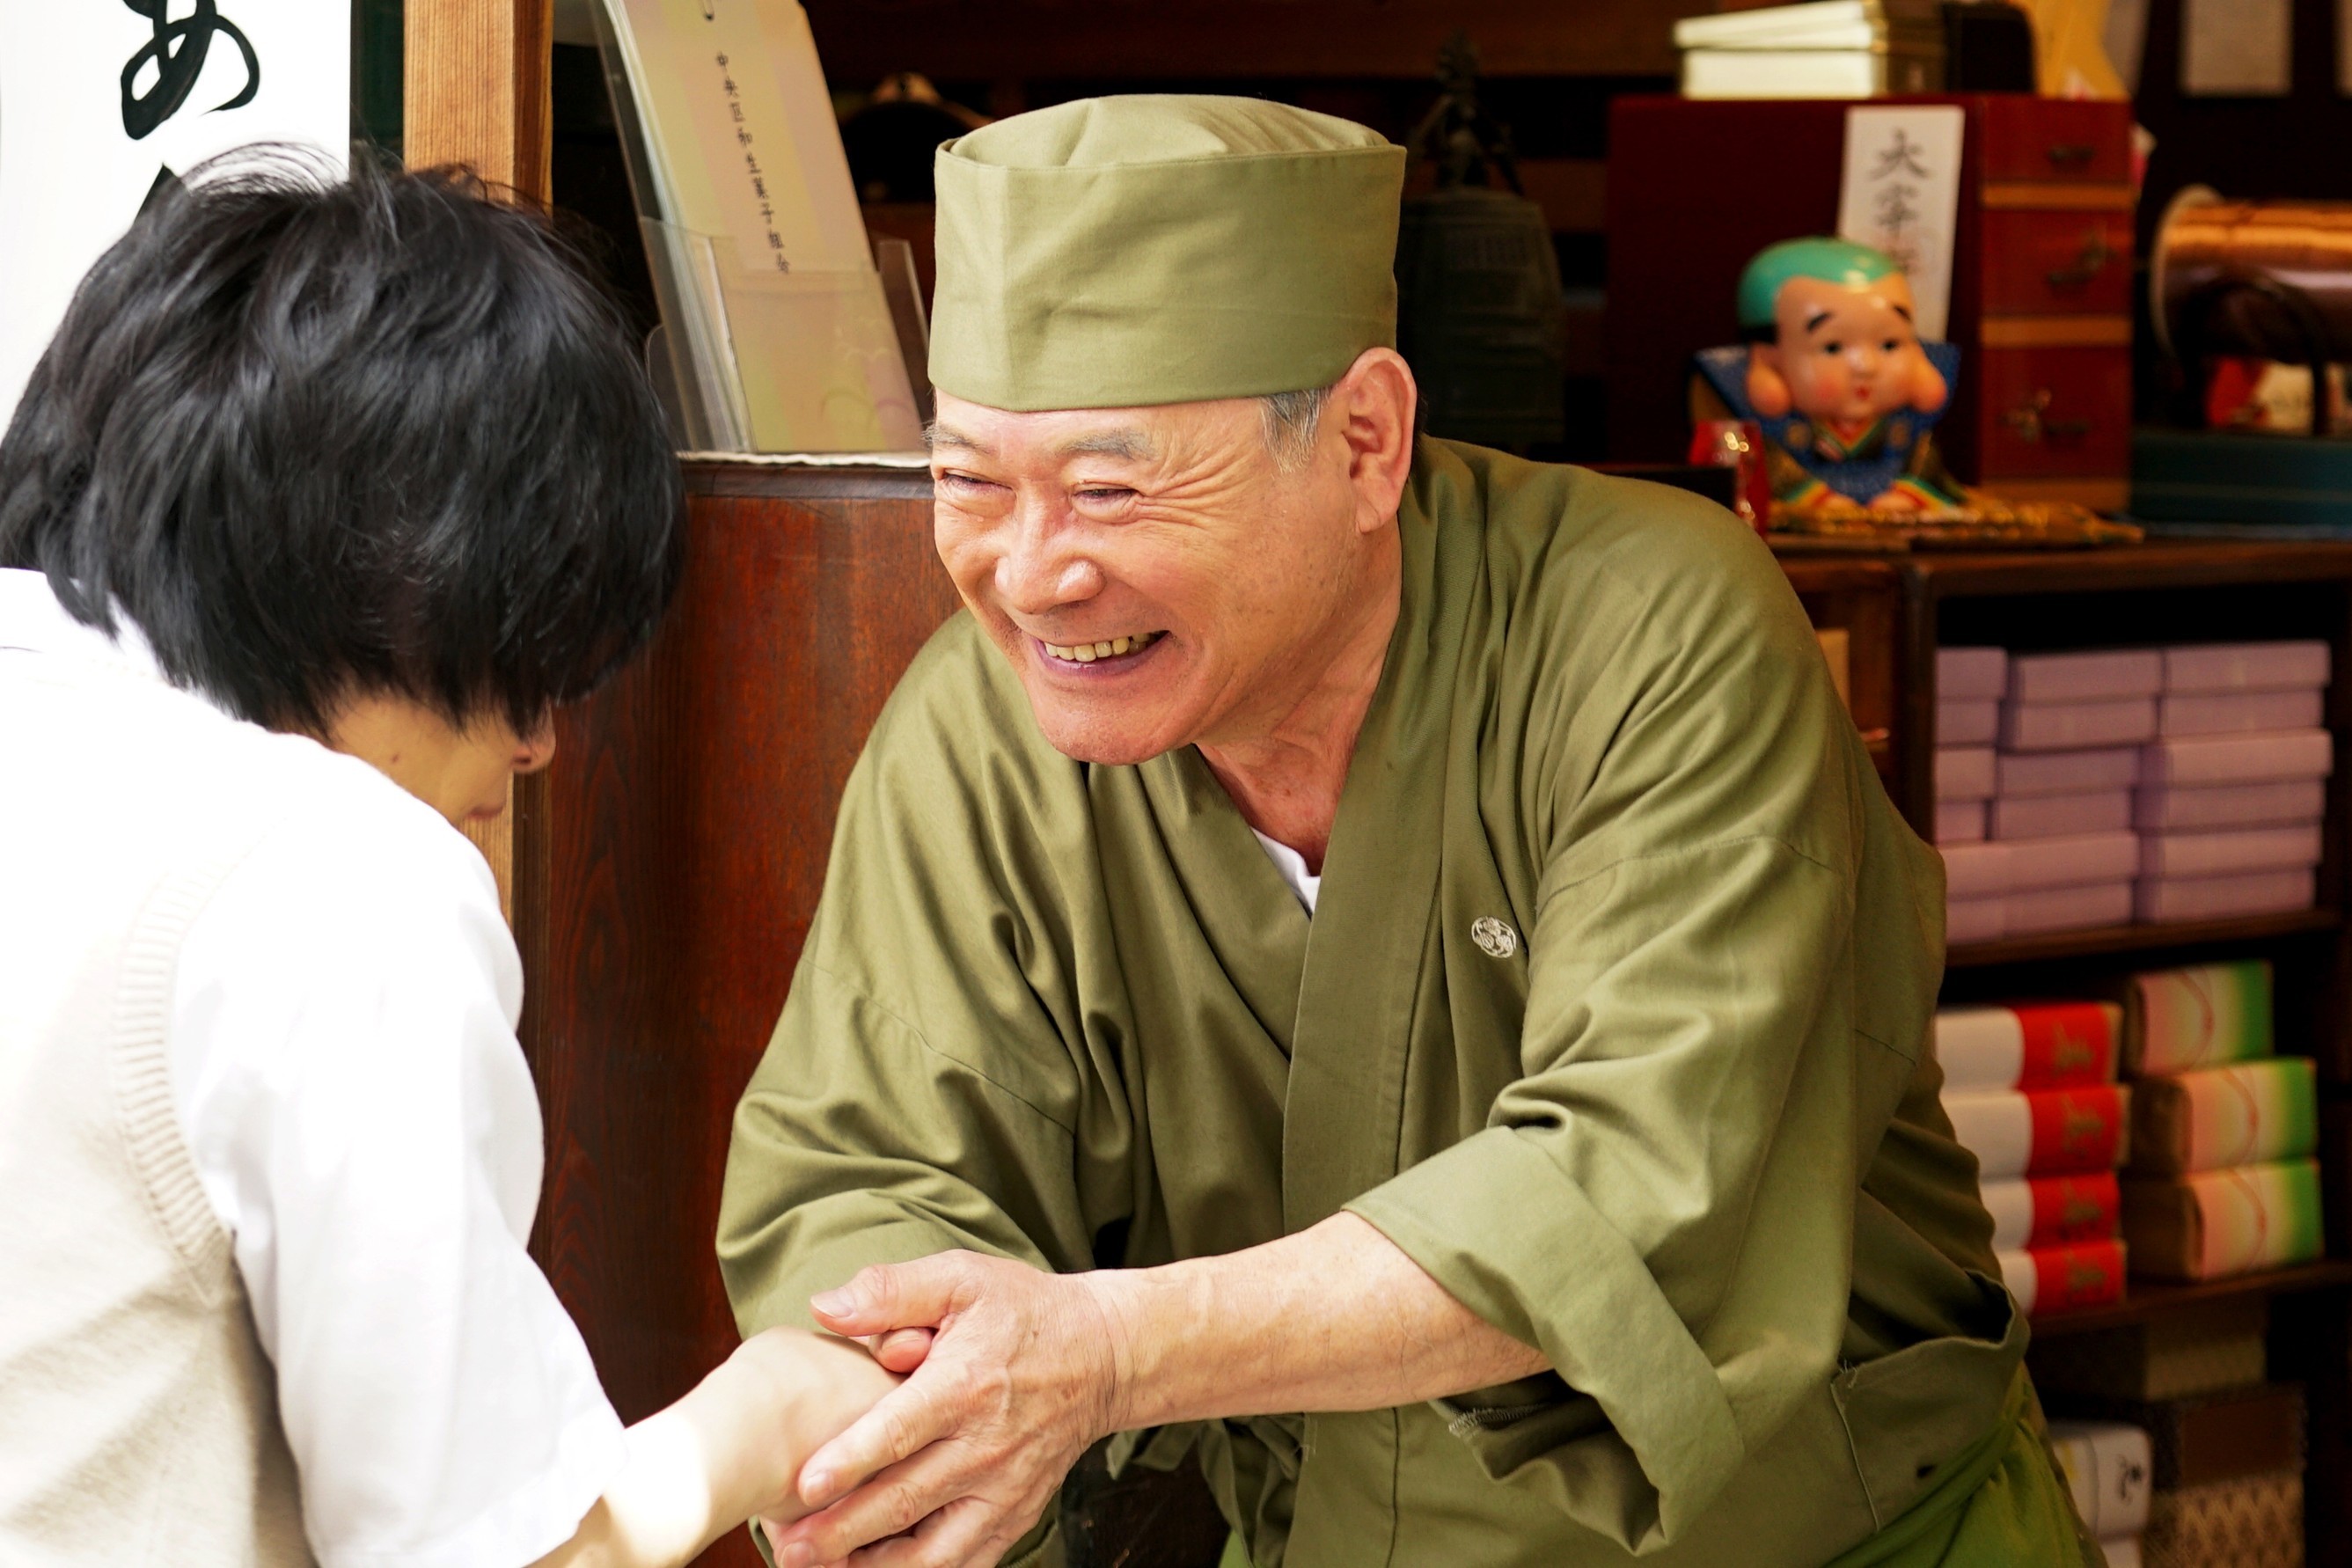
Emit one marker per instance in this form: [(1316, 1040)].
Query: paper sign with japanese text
[(1901, 193)]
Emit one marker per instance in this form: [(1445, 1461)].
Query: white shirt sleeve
[(346, 1070)]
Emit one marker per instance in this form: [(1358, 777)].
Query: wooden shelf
[(2146, 1300), (2140, 938), (2122, 567)]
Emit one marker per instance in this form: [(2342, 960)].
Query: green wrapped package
[(1613, 1015)]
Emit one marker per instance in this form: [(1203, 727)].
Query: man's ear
[(1373, 407), (1927, 386), (1767, 389)]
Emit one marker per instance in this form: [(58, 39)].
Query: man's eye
[(955, 480), (1833, 348), (1890, 345), (1104, 493)]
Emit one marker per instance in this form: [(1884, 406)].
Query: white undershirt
[(1293, 867), (346, 1072)]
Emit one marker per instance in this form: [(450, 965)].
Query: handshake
[(929, 1430)]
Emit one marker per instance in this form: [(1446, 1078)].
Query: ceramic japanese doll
[(1834, 372)]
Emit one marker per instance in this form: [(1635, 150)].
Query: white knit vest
[(138, 1412)]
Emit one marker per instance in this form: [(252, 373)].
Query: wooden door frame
[(475, 87)]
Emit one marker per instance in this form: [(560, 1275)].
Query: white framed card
[(99, 101), (1901, 193)]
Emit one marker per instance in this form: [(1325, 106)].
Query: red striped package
[(2043, 1132), (2054, 1211), (2033, 1045), (2052, 1279)]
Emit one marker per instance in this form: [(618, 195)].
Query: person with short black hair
[(325, 495)]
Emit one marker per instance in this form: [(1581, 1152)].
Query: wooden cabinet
[(2040, 274)]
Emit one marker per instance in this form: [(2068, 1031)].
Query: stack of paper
[(778, 327), (1830, 48)]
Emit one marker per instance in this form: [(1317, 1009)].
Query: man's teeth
[(1087, 652)]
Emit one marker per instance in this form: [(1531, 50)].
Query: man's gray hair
[(1292, 420)]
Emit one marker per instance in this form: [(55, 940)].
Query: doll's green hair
[(1831, 260)]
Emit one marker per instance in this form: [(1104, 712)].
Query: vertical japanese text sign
[(102, 99), (1901, 195)]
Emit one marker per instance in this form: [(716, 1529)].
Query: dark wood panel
[(864, 40), (2146, 1300), (2151, 940), (677, 849), (2156, 565)]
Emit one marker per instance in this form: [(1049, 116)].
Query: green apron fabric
[(1678, 1128), (1999, 1505)]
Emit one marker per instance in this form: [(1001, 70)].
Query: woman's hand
[(953, 1466), (730, 1449)]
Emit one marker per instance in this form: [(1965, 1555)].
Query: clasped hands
[(1012, 1373)]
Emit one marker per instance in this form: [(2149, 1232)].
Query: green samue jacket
[(1613, 1015)]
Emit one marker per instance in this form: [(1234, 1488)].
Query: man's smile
[(1092, 652)]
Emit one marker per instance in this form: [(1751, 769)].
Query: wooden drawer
[(2045, 139), (2044, 411), (2056, 263)]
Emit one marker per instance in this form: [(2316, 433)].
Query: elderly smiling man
[(1381, 964)]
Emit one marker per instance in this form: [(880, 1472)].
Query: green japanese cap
[(1116, 252), (1831, 260)]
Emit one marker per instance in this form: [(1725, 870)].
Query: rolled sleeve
[(1664, 1204)]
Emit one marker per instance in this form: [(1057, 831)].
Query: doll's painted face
[(1846, 354)]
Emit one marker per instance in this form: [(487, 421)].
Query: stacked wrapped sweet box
[(2163, 1128), (2180, 1454), (2154, 784), (2222, 1177), (2030, 1090), (2169, 1428), (2108, 1465)]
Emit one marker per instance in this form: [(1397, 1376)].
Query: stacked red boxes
[(2030, 1090)]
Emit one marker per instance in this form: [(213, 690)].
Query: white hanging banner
[(101, 100), (1901, 195)]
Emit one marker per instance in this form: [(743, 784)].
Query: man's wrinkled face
[(1155, 576), (1852, 355)]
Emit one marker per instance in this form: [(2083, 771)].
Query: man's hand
[(1018, 1377), (1025, 1369)]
